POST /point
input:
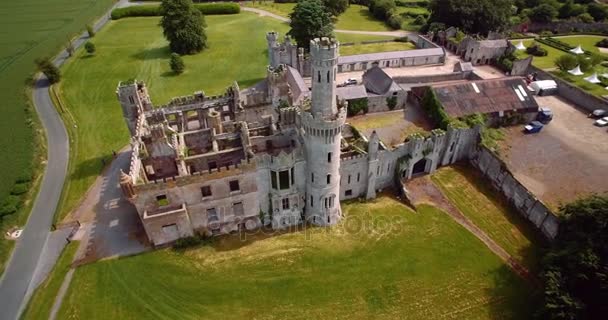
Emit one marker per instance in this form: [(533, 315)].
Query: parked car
[(598, 113), (350, 81), (533, 127), (602, 122), (545, 115)]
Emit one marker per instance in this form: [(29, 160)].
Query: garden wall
[(433, 77), (564, 27), (572, 93), (518, 195)]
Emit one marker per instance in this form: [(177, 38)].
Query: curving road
[(15, 283)]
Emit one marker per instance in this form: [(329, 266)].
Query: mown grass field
[(356, 17), (419, 266), (29, 30), (376, 47), (39, 306), (467, 190), (586, 42), (135, 48)]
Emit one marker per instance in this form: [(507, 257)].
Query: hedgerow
[(154, 10)]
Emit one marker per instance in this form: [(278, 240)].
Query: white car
[(598, 113), (350, 81), (602, 122)]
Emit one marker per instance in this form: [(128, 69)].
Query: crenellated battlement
[(324, 49)]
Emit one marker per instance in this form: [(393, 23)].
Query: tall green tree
[(310, 19), (543, 13), (183, 26), (472, 16), (576, 267), (46, 66), (336, 7)]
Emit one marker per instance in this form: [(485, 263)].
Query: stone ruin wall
[(501, 178)]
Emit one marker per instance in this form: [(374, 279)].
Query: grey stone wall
[(572, 93), (433, 77), (518, 195)]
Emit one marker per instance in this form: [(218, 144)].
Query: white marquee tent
[(577, 50), (593, 79), (520, 46), (576, 71)]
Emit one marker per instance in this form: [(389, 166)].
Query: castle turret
[(372, 166), (322, 126), (272, 40), (324, 53)]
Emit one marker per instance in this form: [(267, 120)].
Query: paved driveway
[(567, 159)]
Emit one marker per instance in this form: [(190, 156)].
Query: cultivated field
[(30, 29), (88, 88), (469, 192), (383, 261)]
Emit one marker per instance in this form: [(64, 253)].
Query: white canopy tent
[(520, 46), (576, 71), (577, 50), (593, 79)]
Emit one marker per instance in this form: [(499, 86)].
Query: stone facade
[(266, 155)]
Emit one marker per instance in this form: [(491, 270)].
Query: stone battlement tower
[(322, 126)]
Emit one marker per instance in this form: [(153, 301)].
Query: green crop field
[(383, 261), (29, 30), (471, 195), (237, 51)]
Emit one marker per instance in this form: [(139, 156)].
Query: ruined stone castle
[(279, 153)]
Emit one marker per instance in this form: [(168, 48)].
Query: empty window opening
[(348, 193), (318, 76), (206, 191), (328, 178), (312, 177), (285, 203), (348, 181), (329, 157), (212, 215), (162, 200), (273, 179), (131, 100), (238, 209), (292, 176), (311, 202), (234, 185), (284, 179), (358, 176)]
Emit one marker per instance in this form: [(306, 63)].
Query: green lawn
[(586, 42), (356, 17), (420, 266), (546, 62), (376, 47), (470, 193), (88, 88), (409, 15), (595, 89), (39, 306), (30, 29)]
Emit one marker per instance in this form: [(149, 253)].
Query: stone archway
[(419, 167)]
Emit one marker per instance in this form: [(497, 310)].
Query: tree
[(598, 11), (183, 26), (570, 9), (90, 31), (472, 16), (382, 9), (585, 17), (49, 69), (566, 62), (177, 63), (575, 269), (336, 7), (89, 47), (543, 13), (309, 20)]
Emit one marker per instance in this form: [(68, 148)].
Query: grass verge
[(470, 193), (39, 306)]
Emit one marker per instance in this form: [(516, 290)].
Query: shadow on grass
[(169, 74), (90, 167), (512, 297), (531, 254), (153, 53)]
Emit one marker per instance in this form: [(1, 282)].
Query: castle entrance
[(419, 167)]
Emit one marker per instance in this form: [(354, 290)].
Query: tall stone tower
[(322, 126), (134, 100)]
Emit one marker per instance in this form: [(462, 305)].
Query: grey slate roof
[(351, 92), (298, 87), (377, 81), (390, 55)]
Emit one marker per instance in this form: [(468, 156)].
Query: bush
[(357, 106), (434, 109), (505, 63), (183, 243), (566, 62), (537, 50), (382, 9), (90, 31), (49, 69), (177, 63), (10, 205), (420, 20), (395, 21), (391, 102), (89, 47), (602, 43), (585, 17), (154, 10), (20, 188)]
